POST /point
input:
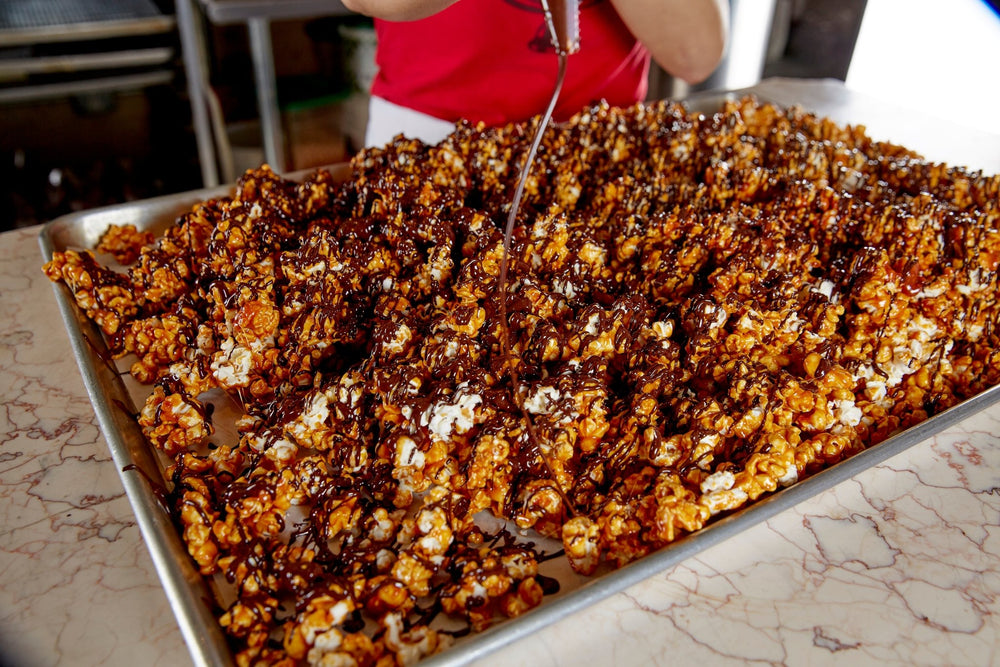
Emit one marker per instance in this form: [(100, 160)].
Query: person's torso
[(492, 61)]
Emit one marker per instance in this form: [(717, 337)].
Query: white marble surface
[(77, 586), (900, 565)]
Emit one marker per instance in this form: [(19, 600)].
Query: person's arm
[(687, 38), (398, 10)]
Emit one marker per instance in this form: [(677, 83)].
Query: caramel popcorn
[(702, 311), (124, 242)]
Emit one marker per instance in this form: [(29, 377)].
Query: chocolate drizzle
[(699, 311)]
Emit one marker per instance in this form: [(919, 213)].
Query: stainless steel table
[(209, 125)]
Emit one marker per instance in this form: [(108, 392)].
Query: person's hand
[(398, 10)]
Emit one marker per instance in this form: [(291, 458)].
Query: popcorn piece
[(124, 242), (174, 422)]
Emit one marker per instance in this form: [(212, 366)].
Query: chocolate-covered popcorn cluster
[(703, 309)]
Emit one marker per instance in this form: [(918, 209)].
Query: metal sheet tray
[(111, 392)]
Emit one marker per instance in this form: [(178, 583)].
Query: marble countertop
[(898, 565)]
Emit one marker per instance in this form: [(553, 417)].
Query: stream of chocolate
[(562, 19), (504, 269)]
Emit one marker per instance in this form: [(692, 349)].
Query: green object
[(308, 92)]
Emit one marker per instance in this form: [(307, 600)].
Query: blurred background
[(106, 101)]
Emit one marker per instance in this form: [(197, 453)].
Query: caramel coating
[(124, 242), (703, 310)]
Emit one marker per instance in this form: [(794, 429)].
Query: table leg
[(267, 92), (193, 53)]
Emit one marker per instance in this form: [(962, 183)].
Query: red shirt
[(492, 61)]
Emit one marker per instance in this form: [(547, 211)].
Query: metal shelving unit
[(41, 54)]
